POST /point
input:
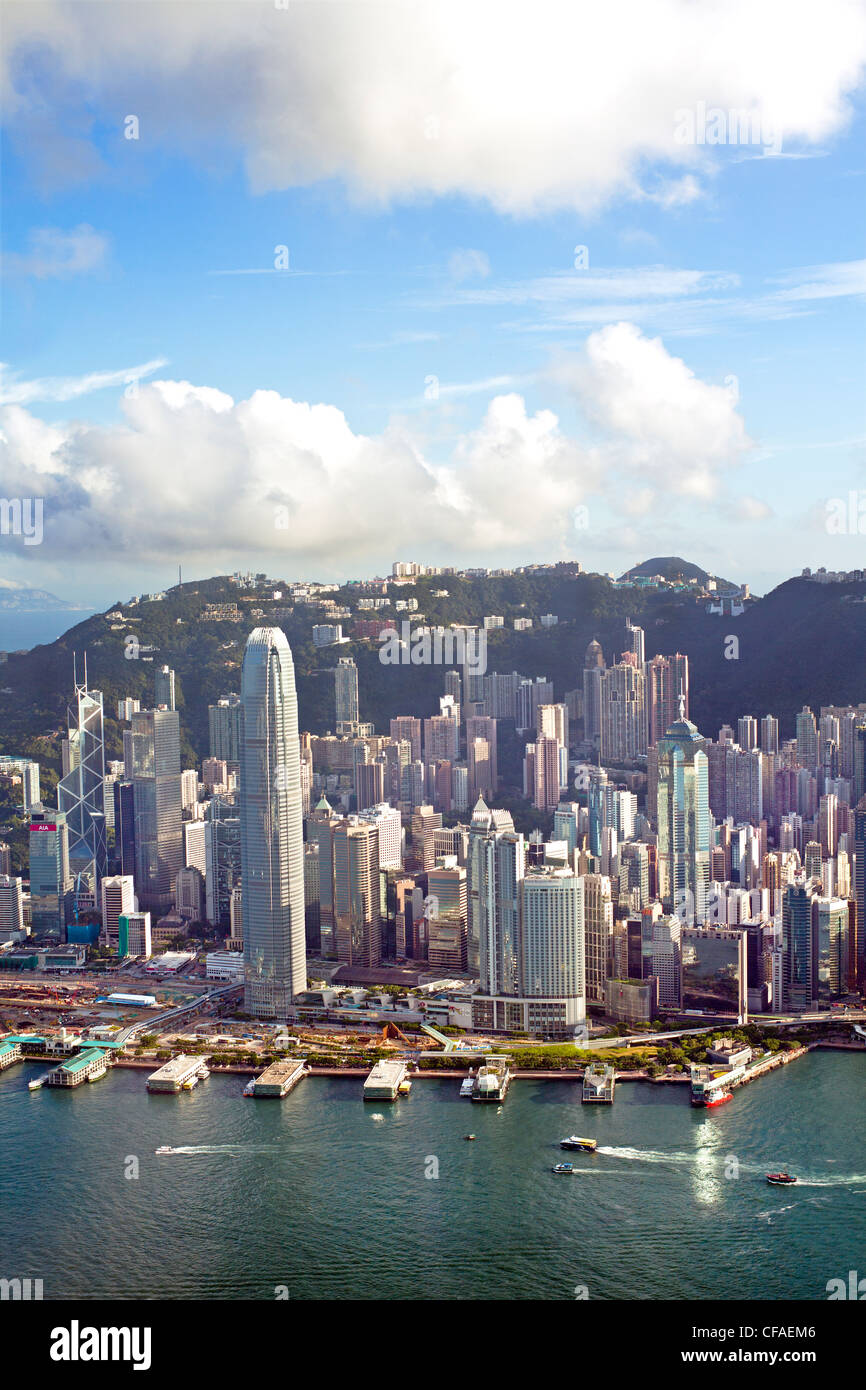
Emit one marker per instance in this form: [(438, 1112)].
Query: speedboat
[(780, 1179), (469, 1136), (250, 1088), (574, 1141), (563, 1167), (164, 1149)]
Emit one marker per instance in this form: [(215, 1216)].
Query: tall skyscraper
[(154, 744), (593, 668), (50, 876), (495, 867), (769, 734), (623, 712), (80, 792), (224, 721), (346, 691), (164, 687), (807, 738), (666, 678), (684, 822), (272, 842)]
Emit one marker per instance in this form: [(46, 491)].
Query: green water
[(324, 1196)]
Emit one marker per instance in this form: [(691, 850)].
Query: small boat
[(164, 1149), (574, 1141), (404, 1088), (468, 1085), (250, 1088), (718, 1099), (780, 1179), (563, 1168), (469, 1136)]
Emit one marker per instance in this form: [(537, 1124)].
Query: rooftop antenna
[(682, 702)]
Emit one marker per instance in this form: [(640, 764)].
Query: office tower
[(441, 738), (133, 934), (356, 892), (28, 771), (665, 950), (666, 677), (684, 823), (460, 789), (807, 739), (117, 895), (593, 666), (11, 909), (312, 916), (189, 894), (235, 938), (80, 792), (831, 945), (634, 876), (124, 828), (154, 742), (813, 860), (272, 841), (859, 887), (214, 775), (320, 832), (551, 978), (447, 914), (495, 867), (5, 859), (623, 713), (747, 732), (769, 734), (715, 978), (635, 642), (126, 708), (567, 825), (748, 787), (224, 721), (406, 726), (195, 835), (346, 692), (164, 687), (858, 771), (386, 820), (799, 931), (222, 860), (439, 785), (50, 875), (485, 727), (598, 935), (480, 775)]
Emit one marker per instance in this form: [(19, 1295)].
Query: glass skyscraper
[(684, 823), (272, 848), (80, 792)]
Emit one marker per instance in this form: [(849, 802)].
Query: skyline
[(304, 310)]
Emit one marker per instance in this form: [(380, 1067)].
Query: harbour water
[(322, 1196)]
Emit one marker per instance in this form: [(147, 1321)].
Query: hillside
[(673, 568), (804, 643)]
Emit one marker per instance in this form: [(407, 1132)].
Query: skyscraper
[(593, 668), (272, 848), (684, 822), (495, 868), (346, 691), (666, 678), (154, 744), (50, 877), (623, 712), (224, 720), (164, 687), (80, 792)]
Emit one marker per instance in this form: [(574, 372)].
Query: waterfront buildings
[(271, 831)]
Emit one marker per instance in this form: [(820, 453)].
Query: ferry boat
[(717, 1098), (780, 1179), (468, 1085), (492, 1082), (563, 1168), (574, 1141)]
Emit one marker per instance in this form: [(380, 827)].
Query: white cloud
[(14, 391), (438, 97), (192, 472), (677, 432), (55, 254), (465, 264)]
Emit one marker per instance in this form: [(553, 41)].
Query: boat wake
[(657, 1156), (185, 1150)]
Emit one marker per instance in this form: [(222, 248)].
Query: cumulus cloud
[(435, 97), (678, 432), (191, 471)]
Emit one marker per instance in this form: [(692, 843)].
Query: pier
[(279, 1078), (599, 1085), (89, 1065), (492, 1081), (180, 1074), (385, 1081)]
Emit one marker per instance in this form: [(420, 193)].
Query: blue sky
[(433, 377)]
